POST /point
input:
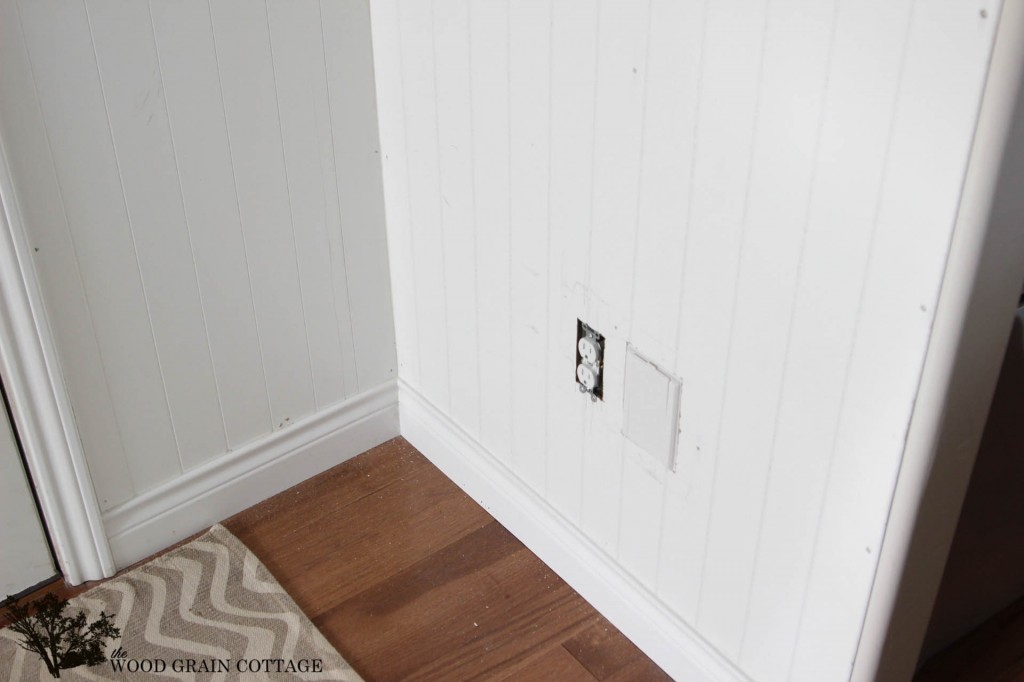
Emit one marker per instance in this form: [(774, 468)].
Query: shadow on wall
[(985, 569)]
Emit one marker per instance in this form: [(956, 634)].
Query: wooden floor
[(412, 580)]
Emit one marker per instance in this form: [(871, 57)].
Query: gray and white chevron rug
[(208, 610)]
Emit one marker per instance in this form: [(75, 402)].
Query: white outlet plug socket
[(590, 347), (587, 374), (588, 350)]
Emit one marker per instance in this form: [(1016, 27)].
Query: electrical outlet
[(589, 360), (587, 376), (588, 350)]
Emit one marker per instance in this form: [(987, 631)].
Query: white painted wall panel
[(619, 99), (188, 64), (793, 78), (573, 55), (455, 158), (142, 143), (63, 57), (395, 173), (346, 33), (201, 181), (529, 93), (944, 66), (27, 147), (489, 50), (674, 64), (301, 75), (849, 173), (249, 84), (744, 191), (675, 68), (426, 233), (733, 69), (640, 518)]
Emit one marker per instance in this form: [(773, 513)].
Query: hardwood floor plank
[(610, 656), (556, 664), (486, 594), (325, 552), (337, 487), (640, 669)]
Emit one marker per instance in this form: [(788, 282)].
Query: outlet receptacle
[(589, 360), (587, 375), (588, 350)]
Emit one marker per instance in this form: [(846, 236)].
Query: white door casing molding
[(41, 407)]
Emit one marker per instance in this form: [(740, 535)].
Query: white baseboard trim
[(237, 480), (661, 634)]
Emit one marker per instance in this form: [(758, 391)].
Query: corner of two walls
[(760, 197), (200, 184), (751, 194)]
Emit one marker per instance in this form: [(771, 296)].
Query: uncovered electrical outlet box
[(589, 360), (650, 408)]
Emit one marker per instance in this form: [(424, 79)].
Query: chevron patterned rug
[(208, 610)]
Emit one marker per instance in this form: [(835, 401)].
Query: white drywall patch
[(650, 408)]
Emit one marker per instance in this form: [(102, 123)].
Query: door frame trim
[(41, 406)]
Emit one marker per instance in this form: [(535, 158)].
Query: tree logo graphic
[(61, 641)]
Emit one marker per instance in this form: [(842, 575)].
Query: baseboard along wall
[(661, 634), (239, 479), (211, 493)]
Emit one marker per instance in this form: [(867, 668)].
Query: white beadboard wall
[(759, 195), (200, 183)]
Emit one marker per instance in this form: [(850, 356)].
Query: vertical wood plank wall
[(759, 196), (200, 183)]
